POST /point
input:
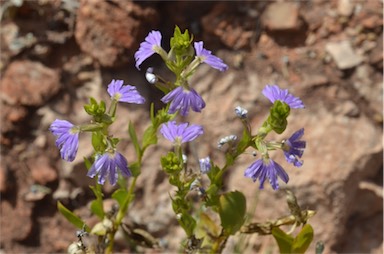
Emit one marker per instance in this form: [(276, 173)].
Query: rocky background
[(55, 54)]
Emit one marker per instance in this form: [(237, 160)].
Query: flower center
[(117, 96), (74, 130)]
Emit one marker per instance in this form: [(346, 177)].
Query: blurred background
[(55, 54)]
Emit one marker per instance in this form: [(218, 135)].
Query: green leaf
[(92, 101), (206, 226), (133, 135), (88, 163), (284, 241), (135, 169), (97, 204), (149, 137), (71, 217), (120, 196), (98, 142), (188, 223), (244, 143), (88, 109), (303, 240), (232, 210), (102, 107), (213, 173)]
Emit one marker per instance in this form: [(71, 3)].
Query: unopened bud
[(151, 78), (185, 158), (205, 165), (226, 140), (241, 112)]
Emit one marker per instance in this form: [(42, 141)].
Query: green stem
[(112, 108), (123, 209), (120, 215)]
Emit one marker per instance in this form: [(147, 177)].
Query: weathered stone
[(111, 31), (281, 16), (29, 83), (20, 226), (345, 7), (364, 85), (327, 183), (376, 55), (343, 54), (348, 108), (3, 179), (234, 30), (41, 172), (11, 115)]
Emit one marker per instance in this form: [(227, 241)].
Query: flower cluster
[(107, 162), (293, 147), (182, 97)]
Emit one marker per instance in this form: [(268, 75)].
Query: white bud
[(226, 140), (151, 78), (185, 158), (241, 112)]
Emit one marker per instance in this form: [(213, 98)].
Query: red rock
[(10, 115), (372, 22), (29, 83), (111, 31), (42, 173), (234, 30), (345, 7), (16, 221), (3, 179)]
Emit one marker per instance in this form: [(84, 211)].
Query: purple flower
[(205, 165), (148, 47), (273, 92), (107, 164), (263, 168), (294, 148), (126, 93), (67, 138), (207, 57), (181, 133), (183, 99)]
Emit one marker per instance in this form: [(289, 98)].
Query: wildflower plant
[(221, 214)]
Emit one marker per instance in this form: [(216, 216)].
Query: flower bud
[(205, 165), (241, 112), (226, 140), (151, 78)]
